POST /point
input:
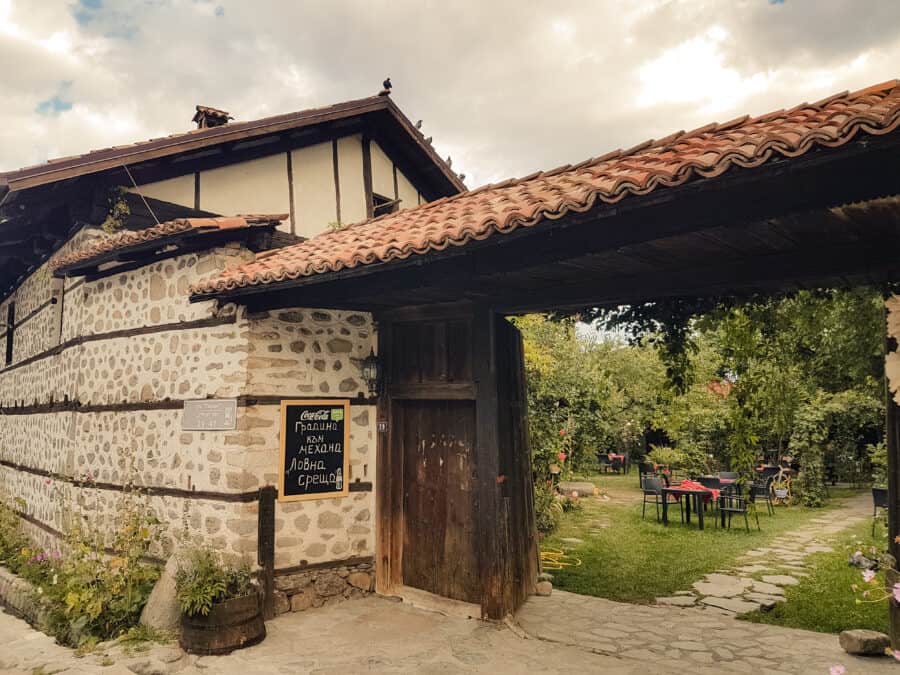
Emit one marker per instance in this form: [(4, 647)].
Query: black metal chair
[(645, 469), (617, 464), (603, 461), (651, 486), (729, 505), (762, 489), (879, 501), (770, 471)]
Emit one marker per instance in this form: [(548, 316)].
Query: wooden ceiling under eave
[(825, 219)]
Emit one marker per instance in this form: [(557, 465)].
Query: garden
[(776, 402)]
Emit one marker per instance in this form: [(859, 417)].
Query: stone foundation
[(323, 586)]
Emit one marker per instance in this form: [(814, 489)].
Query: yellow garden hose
[(555, 559)]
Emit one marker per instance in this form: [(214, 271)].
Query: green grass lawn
[(632, 560), (823, 601)]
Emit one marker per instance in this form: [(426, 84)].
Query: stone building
[(107, 341), (102, 345)]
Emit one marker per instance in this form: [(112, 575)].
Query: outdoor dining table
[(695, 494)]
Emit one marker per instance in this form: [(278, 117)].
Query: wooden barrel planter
[(232, 624)]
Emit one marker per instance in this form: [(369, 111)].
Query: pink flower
[(868, 575), (837, 670), (897, 592), (562, 457), (897, 654), (47, 481)]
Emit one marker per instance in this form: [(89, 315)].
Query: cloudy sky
[(506, 88)]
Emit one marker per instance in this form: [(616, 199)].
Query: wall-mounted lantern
[(371, 373)]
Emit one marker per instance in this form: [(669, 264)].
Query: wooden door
[(439, 552)]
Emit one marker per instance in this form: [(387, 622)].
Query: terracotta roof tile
[(496, 209), (161, 232)]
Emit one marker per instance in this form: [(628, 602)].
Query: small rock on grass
[(864, 642), (543, 588)]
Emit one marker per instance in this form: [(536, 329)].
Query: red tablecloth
[(613, 456), (697, 487), (726, 481)]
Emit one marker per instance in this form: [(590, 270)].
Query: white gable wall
[(263, 185)]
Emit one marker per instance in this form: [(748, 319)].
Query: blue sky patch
[(58, 103), (53, 105)]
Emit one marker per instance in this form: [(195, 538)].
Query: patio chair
[(762, 489), (617, 464), (729, 505), (879, 501), (770, 471), (651, 487), (603, 461), (645, 469)]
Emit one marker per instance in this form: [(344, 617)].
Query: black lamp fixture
[(371, 372)]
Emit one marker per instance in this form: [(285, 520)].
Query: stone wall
[(93, 402), (322, 586)]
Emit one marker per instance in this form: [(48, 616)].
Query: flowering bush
[(547, 508), (97, 586)]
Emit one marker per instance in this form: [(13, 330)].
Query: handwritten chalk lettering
[(301, 427), (320, 448), (314, 459)]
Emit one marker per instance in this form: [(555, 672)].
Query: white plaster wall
[(407, 193), (382, 172), (256, 186), (350, 168), (178, 190), (315, 202)]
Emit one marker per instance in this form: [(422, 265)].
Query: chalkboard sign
[(315, 436)]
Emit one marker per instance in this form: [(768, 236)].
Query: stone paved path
[(563, 633), (758, 579), (691, 640)]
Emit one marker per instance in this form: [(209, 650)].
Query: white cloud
[(506, 88), (695, 72)]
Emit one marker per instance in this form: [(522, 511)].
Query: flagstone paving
[(693, 639), (760, 575)]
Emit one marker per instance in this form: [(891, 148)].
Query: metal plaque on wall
[(209, 415)]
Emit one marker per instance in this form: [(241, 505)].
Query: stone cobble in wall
[(315, 588)]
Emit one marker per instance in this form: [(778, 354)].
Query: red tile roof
[(161, 233), (526, 202)]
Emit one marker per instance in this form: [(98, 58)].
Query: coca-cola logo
[(315, 416)]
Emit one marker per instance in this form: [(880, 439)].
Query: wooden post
[(487, 455), (266, 549)]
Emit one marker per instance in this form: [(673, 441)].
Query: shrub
[(97, 589), (666, 456), (204, 580), (99, 595), (547, 508)]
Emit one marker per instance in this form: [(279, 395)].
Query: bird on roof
[(428, 140), (386, 88), (462, 176), (449, 161), (387, 83), (419, 124)]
